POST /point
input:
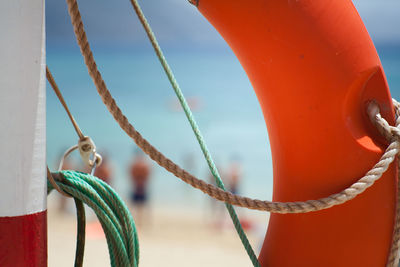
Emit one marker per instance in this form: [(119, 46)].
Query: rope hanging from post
[(57, 91), (86, 146)]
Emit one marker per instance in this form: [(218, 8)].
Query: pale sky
[(177, 23)]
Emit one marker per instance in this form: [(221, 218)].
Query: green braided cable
[(117, 206), (114, 216), (98, 200), (104, 218), (108, 222), (81, 233), (195, 128), (120, 251), (113, 201)]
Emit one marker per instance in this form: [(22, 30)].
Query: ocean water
[(226, 110)]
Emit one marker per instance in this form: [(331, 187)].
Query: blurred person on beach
[(189, 164), (139, 171), (217, 211), (234, 175), (104, 171)]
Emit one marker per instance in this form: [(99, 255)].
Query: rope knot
[(391, 133)]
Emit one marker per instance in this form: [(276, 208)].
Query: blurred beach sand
[(175, 237)]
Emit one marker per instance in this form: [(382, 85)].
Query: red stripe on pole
[(23, 240)]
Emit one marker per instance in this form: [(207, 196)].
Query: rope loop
[(112, 213), (391, 133)]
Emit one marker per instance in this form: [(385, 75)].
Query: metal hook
[(97, 159), (87, 150), (65, 155)]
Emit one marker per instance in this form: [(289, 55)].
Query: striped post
[(23, 229)]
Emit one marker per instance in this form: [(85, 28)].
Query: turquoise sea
[(227, 112)]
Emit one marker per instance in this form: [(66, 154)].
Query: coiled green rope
[(114, 216)]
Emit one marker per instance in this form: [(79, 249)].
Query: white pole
[(23, 233)]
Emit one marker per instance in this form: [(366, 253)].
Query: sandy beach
[(175, 237)]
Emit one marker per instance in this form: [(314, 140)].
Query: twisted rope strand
[(57, 91), (113, 201), (92, 199)]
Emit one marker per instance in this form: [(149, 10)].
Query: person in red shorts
[(140, 174), (103, 171)]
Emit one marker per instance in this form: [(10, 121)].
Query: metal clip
[(65, 155), (87, 150), (97, 159)]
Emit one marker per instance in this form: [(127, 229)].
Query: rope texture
[(390, 132), (57, 91), (114, 216), (130, 130)]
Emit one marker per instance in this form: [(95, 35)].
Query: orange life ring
[(314, 68)]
